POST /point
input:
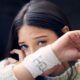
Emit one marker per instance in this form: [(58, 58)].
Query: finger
[(11, 60), (19, 52)]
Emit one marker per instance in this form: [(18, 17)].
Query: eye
[(23, 47), (42, 43)]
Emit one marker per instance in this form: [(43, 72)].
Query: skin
[(40, 38), (31, 38), (66, 48)]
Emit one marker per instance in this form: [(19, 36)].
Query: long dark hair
[(44, 12), (13, 39), (40, 13)]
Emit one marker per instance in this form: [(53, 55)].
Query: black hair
[(40, 13), (13, 38), (44, 12)]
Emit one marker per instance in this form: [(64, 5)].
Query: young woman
[(40, 24)]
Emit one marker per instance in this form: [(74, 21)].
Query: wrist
[(42, 60), (58, 51), (21, 72)]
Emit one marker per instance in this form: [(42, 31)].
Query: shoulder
[(7, 73), (2, 63)]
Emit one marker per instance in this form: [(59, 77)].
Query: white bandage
[(42, 60)]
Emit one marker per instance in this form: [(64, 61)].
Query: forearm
[(7, 73), (36, 64), (32, 66), (15, 72), (22, 73), (64, 49)]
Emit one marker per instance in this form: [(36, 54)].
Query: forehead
[(30, 32)]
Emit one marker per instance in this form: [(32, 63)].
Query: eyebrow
[(37, 37), (40, 36), (21, 43)]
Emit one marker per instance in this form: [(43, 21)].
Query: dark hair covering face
[(43, 12)]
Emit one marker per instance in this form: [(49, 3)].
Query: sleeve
[(2, 63), (7, 73), (77, 77), (66, 75)]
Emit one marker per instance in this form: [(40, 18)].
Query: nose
[(31, 50)]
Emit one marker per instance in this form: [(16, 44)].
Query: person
[(57, 30), (38, 27)]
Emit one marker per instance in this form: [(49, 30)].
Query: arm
[(66, 48), (13, 72), (21, 70)]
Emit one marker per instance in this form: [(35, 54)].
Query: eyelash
[(24, 46), (42, 42)]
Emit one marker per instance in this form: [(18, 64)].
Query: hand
[(11, 60), (20, 53), (67, 47)]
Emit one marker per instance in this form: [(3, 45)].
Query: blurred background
[(9, 9)]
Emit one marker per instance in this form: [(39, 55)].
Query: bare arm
[(66, 48), (22, 73)]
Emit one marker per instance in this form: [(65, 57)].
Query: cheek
[(27, 52), (31, 50), (52, 39)]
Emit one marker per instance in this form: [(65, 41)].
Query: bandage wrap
[(40, 61)]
